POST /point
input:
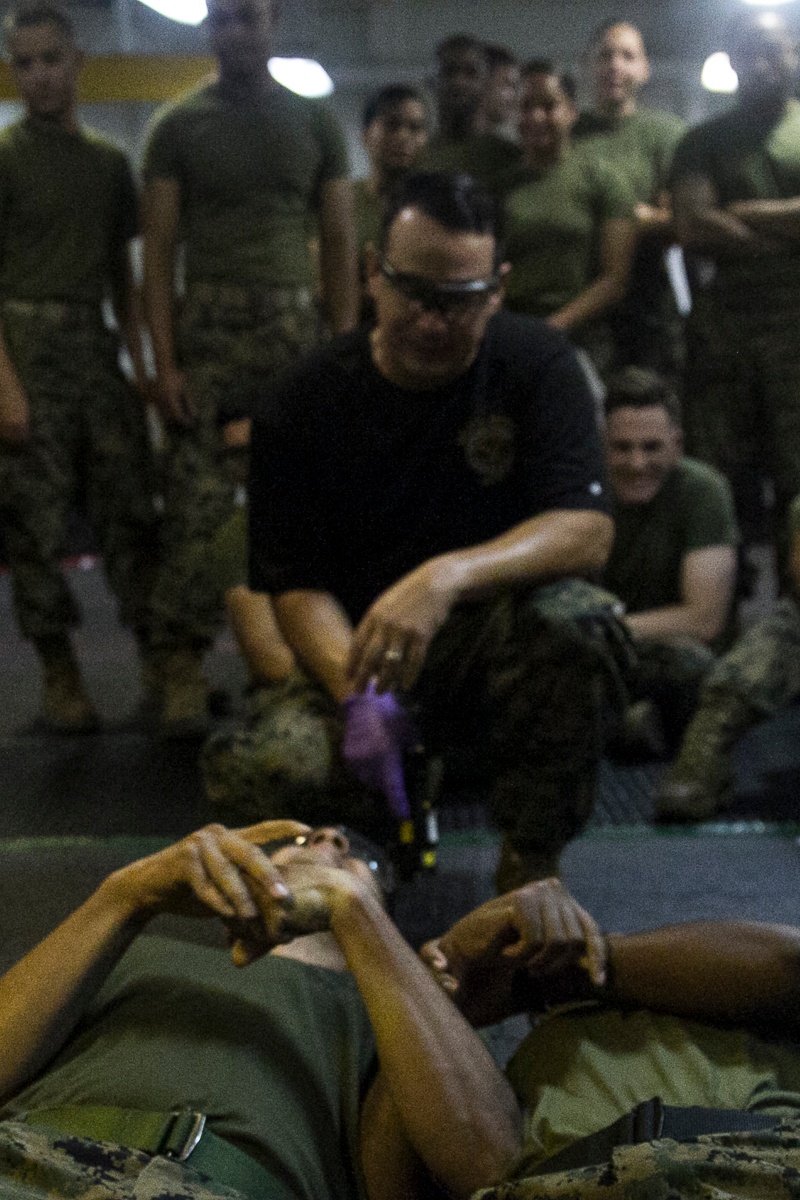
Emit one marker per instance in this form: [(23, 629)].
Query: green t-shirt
[(746, 159), (694, 509), (250, 182), (485, 156), (640, 149), (553, 227), (278, 1056), (67, 203)]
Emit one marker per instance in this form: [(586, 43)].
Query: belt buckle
[(183, 1134)]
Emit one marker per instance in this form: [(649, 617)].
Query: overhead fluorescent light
[(718, 75), (188, 12), (304, 76)]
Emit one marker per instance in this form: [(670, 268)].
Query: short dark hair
[(387, 99), (499, 56), (639, 387), (546, 66), (600, 32), (458, 42), (30, 13), (454, 199)]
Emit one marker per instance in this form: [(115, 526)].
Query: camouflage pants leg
[(758, 1166), (231, 341), (670, 675), (763, 667), (519, 678), (38, 1164), (89, 447), (742, 403)]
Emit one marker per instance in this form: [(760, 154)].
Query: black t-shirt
[(354, 481)]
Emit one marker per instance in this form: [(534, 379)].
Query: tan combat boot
[(700, 781), (66, 707), (184, 696)]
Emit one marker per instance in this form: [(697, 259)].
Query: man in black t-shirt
[(420, 493)]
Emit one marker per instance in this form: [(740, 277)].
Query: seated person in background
[(569, 219), (422, 495), (333, 1067), (673, 563), (394, 132), (700, 1014), (460, 143), (498, 111), (757, 678)]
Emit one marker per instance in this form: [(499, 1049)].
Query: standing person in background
[(499, 107), (736, 183), (639, 144), (395, 133), (568, 220), (238, 169), (71, 428), (460, 143)]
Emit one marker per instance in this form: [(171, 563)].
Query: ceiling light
[(768, 3), (718, 74), (301, 75), (188, 12)]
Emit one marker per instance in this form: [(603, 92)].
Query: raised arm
[(440, 1108), (320, 634), (215, 872)]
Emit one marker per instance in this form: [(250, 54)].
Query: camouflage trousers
[(733, 1166), (670, 675), (38, 1164), (519, 684), (742, 399), (231, 340), (763, 667), (89, 447)]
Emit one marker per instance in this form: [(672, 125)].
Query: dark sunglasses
[(460, 297)]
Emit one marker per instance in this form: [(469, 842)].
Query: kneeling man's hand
[(392, 640)]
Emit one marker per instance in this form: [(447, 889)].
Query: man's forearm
[(741, 972), (674, 623), (340, 286), (717, 230), (456, 1108), (159, 302), (550, 546), (320, 634), (771, 218)]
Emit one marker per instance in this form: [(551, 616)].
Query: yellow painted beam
[(115, 77)]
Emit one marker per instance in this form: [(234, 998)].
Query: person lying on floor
[(332, 1067), (650, 1038)]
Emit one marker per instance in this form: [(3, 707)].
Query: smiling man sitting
[(673, 564)]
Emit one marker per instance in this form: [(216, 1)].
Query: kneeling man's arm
[(408, 615), (708, 577)]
